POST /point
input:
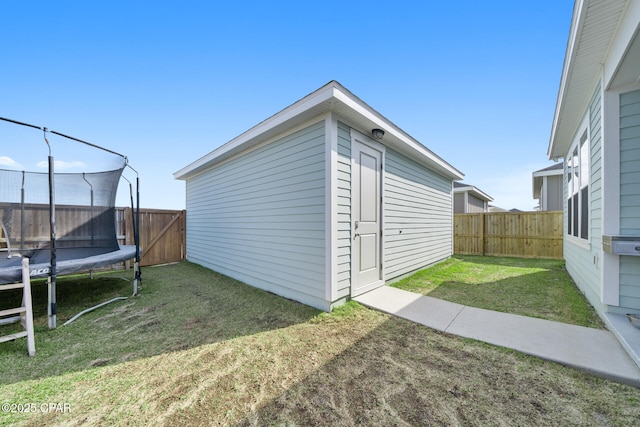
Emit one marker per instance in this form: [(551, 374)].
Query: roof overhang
[(594, 27), (334, 98), (474, 191), (537, 177)]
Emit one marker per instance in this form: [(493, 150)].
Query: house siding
[(458, 203), (553, 196), (260, 217), (418, 222), (582, 256), (476, 205), (630, 195), (344, 211)]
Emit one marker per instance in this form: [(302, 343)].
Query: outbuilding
[(323, 201)]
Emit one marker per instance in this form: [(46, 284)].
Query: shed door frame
[(360, 142)]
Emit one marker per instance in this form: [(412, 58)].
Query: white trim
[(331, 204), (359, 138), (610, 154), (286, 132), (584, 127), (246, 138), (475, 191), (544, 193), (332, 97), (552, 172), (451, 218)]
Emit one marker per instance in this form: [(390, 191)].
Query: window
[(578, 189)]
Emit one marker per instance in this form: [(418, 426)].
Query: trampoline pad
[(68, 261)]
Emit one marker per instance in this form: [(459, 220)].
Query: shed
[(323, 201)]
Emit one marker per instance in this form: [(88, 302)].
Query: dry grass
[(263, 360)]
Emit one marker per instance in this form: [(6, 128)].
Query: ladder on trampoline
[(24, 312)]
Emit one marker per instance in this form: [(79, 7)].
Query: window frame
[(578, 175)]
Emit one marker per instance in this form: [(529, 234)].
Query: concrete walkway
[(593, 350)]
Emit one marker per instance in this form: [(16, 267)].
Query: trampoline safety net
[(84, 214)]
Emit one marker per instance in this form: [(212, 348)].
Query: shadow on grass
[(405, 374), (352, 367), (180, 306)]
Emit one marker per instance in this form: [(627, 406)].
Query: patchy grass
[(529, 287), (197, 348)]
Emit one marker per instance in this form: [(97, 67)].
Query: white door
[(366, 223)]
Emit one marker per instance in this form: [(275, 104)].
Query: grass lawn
[(198, 348), (529, 287)]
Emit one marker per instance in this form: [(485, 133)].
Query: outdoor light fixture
[(377, 133)]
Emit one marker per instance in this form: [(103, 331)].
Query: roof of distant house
[(555, 169), (461, 187)]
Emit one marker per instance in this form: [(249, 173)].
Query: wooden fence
[(162, 234), (518, 234)]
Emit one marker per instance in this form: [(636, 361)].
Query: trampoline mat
[(68, 260)]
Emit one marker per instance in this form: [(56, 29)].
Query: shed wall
[(630, 195), (418, 221), (344, 211), (260, 217)]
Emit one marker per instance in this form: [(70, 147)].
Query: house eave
[(475, 191), (594, 26), (332, 97)]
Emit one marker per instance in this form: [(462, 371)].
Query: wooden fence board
[(162, 235), (519, 234), (162, 232)]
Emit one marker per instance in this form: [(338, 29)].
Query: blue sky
[(164, 83)]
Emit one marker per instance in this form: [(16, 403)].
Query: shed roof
[(332, 97), (594, 27)]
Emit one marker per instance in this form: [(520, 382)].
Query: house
[(596, 131), (323, 201), (547, 187), (469, 199)]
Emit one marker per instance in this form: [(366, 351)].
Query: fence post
[(482, 232)]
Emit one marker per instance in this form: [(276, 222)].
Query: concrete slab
[(627, 334), (593, 350), (431, 312)]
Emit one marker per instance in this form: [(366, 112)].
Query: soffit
[(593, 29)]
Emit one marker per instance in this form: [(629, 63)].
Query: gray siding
[(344, 211), (260, 217), (476, 205), (458, 203), (418, 222), (553, 198), (630, 195), (579, 259)]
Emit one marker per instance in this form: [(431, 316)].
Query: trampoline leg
[(135, 278), (52, 306)]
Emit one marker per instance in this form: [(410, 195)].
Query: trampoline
[(64, 222)]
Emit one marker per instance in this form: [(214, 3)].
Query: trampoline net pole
[(52, 306)]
